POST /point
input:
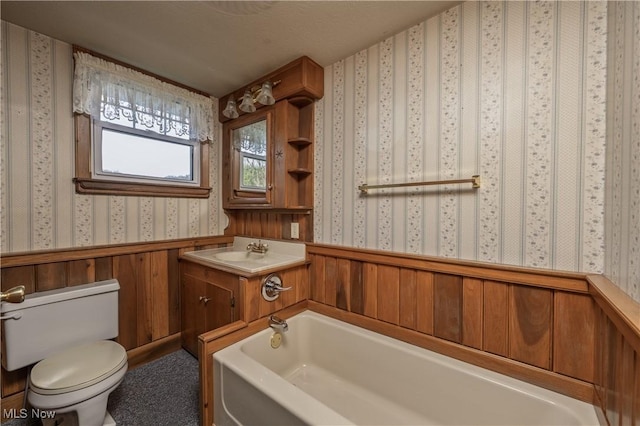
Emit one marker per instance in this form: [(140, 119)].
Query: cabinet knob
[(204, 299), (269, 187)]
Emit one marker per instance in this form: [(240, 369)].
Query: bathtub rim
[(583, 411)]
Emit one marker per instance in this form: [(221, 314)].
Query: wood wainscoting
[(149, 297), (272, 224), (617, 373), (553, 329)]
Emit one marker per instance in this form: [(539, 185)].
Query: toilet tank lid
[(60, 294)]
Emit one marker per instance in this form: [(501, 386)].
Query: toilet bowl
[(75, 368)]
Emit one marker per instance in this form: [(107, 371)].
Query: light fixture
[(230, 110), (261, 94)]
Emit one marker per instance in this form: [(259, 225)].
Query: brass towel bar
[(474, 181)]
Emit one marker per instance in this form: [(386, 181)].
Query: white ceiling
[(219, 46)]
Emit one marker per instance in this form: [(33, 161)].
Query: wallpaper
[(511, 91), (623, 148), (40, 209)]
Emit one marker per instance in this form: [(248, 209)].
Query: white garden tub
[(327, 372)]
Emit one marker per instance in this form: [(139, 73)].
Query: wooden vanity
[(213, 296)]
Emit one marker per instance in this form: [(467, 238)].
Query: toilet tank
[(48, 322)]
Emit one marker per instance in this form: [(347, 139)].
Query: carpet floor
[(162, 392)]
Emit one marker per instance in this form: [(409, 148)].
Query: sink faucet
[(278, 324), (258, 247)]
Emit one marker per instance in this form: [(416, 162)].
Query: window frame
[(86, 183)]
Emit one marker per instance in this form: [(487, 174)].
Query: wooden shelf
[(300, 172), (299, 142), (301, 101)]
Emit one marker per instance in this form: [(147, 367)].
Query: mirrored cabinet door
[(247, 167)]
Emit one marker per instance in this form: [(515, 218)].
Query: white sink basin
[(235, 256), (237, 259)]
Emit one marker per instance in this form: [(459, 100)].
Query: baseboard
[(154, 350)]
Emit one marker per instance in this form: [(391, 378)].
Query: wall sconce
[(261, 94)]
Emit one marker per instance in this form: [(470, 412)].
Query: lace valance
[(104, 88)]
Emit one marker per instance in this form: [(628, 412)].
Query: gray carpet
[(163, 392)]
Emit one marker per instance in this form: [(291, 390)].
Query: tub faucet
[(278, 324), (258, 247)]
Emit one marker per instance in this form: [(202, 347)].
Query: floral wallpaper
[(512, 91), (623, 149), (40, 209)]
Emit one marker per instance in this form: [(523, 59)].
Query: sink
[(233, 256), (237, 259)]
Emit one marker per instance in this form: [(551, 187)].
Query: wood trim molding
[(79, 253), (110, 187), (557, 280), (623, 311)]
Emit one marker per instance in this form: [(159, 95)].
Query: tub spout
[(278, 324)]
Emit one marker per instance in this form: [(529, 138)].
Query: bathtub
[(327, 372)]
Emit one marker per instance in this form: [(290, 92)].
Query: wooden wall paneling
[(613, 374), (447, 312), (159, 294), (318, 278), (104, 268), (636, 391), (627, 366), (574, 331), (302, 279), (282, 224), (50, 276), (331, 277), (370, 280), (472, 312), (530, 320), (19, 275), (13, 381), (496, 318), (356, 287), (343, 284), (252, 300), (173, 279), (408, 298), (144, 298), (125, 271), (289, 279), (424, 302), (81, 272), (389, 294)]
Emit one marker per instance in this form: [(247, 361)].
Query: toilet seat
[(77, 368)]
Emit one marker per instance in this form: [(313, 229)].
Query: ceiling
[(219, 46)]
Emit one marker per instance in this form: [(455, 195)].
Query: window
[(137, 135)]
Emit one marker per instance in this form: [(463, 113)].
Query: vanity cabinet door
[(207, 302)]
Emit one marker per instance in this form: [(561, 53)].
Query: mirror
[(247, 144), (250, 142)]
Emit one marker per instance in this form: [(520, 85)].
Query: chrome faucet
[(258, 247), (278, 324)]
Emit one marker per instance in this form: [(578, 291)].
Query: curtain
[(105, 89)]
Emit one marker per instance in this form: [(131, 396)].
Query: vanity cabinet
[(208, 301)]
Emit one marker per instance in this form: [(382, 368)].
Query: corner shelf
[(299, 142), (299, 172)]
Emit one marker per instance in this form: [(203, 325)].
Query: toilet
[(65, 332)]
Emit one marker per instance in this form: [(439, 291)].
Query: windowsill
[(109, 187)]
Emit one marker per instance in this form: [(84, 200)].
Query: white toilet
[(65, 332)]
